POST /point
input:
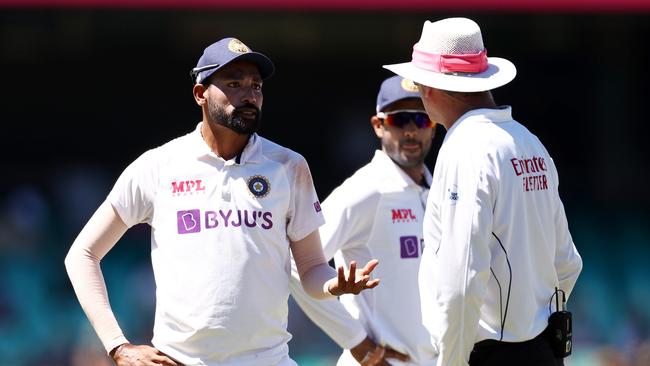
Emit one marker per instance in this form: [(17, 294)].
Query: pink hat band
[(470, 63)]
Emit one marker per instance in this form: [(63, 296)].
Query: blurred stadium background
[(88, 85)]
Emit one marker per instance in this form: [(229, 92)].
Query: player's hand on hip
[(368, 353), (141, 355), (355, 281)]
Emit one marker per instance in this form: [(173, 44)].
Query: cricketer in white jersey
[(496, 236), (378, 213), (227, 210), (220, 244)]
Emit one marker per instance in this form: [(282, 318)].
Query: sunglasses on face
[(401, 118)]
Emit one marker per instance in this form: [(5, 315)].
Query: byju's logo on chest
[(192, 221)]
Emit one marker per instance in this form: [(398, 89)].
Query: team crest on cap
[(237, 46), (259, 186), (409, 86)]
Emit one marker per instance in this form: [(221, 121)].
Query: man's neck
[(455, 116), (223, 141), (416, 173), (459, 104)]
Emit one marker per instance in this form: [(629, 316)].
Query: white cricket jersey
[(376, 213), (220, 245), (494, 202)]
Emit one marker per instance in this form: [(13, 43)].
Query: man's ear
[(425, 91), (377, 126), (199, 94)]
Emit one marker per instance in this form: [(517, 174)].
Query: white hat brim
[(499, 72)]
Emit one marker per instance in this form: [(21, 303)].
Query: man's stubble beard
[(235, 121), (403, 161)]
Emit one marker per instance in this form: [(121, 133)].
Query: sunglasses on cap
[(401, 118)]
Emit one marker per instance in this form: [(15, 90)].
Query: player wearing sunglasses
[(377, 213), (402, 117), (406, 132)]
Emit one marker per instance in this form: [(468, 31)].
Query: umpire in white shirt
[(496, 235), (377, 213)]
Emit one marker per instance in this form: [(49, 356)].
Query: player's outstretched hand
[(356, 280), (142, 355)]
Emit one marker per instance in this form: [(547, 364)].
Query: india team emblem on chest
[(259, 186)]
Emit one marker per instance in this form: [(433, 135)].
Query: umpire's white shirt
[(376, 213), (494, 203), (220, 245)]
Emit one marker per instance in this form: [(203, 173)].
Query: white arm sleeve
[(462, 267), (346, 226), (426, 285), (312, 267), (99, 235), (568, 263), (328, 314)]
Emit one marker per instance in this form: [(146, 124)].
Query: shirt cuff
[(110, 345), (353, 341)]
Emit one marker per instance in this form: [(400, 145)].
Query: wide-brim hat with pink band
[(450, 56)]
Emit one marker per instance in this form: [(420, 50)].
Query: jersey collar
[(399, 175), (252, 151), (494, 115)]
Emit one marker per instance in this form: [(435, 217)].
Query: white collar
[(396, 172), (252, 152), (494, 115)]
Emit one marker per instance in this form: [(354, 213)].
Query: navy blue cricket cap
[(395, 88), (225, 51)]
